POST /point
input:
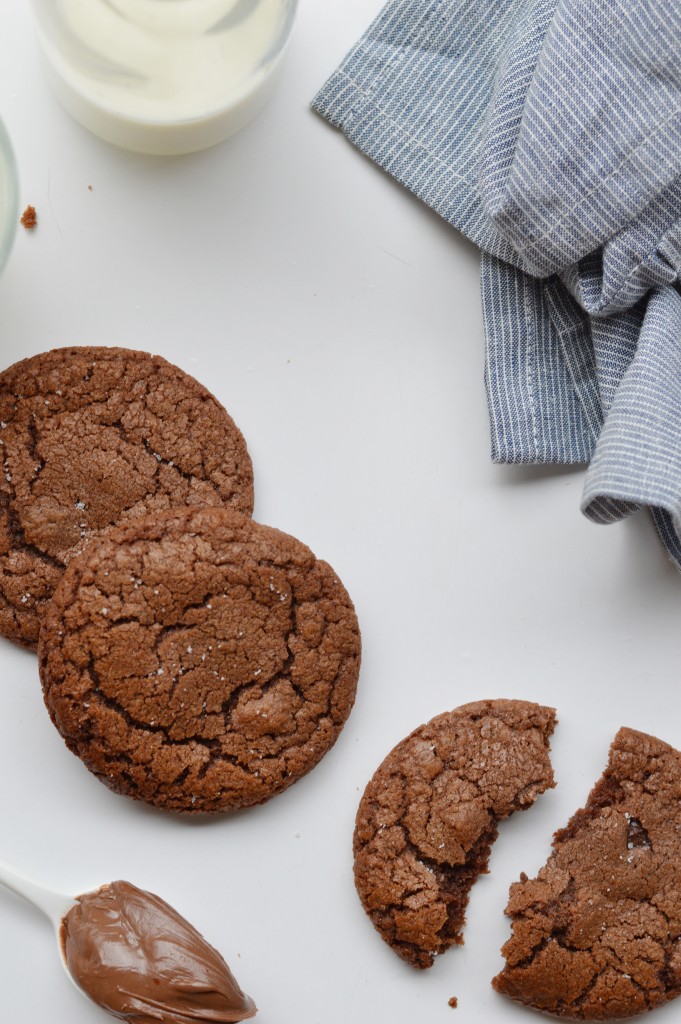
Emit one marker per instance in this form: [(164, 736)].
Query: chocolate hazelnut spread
[(136, 957)]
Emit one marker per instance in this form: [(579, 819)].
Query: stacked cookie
[(193, 658)]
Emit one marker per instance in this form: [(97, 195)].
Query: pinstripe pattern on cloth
[(549, 133)]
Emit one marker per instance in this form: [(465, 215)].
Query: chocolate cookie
[(92, 436), (428, 818), (597, 935), (199, 661)]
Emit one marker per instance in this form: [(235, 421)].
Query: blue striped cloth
[(549, 133)]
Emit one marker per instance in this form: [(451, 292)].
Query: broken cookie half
[(428, 818), (597, 935)]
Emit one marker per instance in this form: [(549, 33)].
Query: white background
[(339, 321)]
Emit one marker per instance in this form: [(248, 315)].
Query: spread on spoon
[(136, 957)]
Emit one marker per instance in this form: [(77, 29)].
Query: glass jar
[(163, 76), (9, 196)]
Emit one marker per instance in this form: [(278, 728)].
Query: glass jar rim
[(9, 196)]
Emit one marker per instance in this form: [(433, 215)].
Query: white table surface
[(339, 321)]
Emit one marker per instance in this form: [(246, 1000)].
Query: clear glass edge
[(9, 170)]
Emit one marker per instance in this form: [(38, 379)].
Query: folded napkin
[(549, 133)]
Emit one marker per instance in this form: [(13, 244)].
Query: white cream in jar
[(163, 76)]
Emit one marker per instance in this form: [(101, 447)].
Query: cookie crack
[(182, 473), (637, 835), (668, 976), (33, 448), (583, 997), (228, 706), (18, 537), (135, 724), (9, 608), (454, 883), (218, 756)]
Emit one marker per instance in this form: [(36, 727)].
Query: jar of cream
[(163, 76)]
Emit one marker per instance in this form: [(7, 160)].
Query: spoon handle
[(55, 905)]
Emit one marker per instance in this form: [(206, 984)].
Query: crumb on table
[(29, 218), (453, 1002)]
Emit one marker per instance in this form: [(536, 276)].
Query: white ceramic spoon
[(54, 905), (166, 965)]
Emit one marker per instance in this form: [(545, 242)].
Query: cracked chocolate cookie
[(199, 661), (597, 935), (428, 818), (93, 436)]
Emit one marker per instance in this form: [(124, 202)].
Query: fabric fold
[(542, 409), (637, 460), (549, 133), (599, 133)]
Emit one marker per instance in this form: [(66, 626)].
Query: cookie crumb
[(29, 218), (453, 1002)]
